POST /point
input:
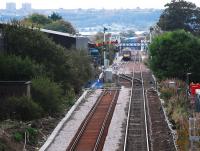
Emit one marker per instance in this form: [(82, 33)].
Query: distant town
[(90, 20)]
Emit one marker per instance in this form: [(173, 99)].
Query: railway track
[(92, 132), (136, 137), (161, 136)]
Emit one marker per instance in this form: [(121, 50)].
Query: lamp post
[(104, 52), (104, 40), (187, 84)]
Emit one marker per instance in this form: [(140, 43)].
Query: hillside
[(95, 19)]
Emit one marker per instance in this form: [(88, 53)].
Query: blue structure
[(96, 57), (95, 84)]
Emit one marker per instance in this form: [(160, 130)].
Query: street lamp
[(104, 52), (187, 84)]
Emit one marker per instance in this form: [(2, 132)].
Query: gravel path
[(116, 128), (69, 129)]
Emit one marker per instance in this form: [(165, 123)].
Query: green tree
[(16, 68), (47, 94), (37, 19), (62, 26), (81, 69), (173, 54), (180, 14), (57, 61), (37, 46), (55, 16)]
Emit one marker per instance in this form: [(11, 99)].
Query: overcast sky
[(107, 4)]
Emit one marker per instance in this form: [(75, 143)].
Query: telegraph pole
[(104, 40)]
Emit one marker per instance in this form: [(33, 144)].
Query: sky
[(99, 4)]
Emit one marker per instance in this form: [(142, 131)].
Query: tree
[(180, 15), (37, 46), (48, 94), (53, 22), (173, 54), (16, 68), (62, 26), (56, 60), (55, 16), (36, 19)]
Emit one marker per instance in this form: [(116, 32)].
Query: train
[(126, 55)]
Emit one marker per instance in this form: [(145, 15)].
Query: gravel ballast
[(70, 128), (115, 133)]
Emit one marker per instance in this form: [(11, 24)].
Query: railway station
[(99, 76), (127, 115)]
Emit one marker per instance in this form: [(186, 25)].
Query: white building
[(11, 6), (26, 6)]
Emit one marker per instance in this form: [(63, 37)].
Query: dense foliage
[(14, 68), (36, 19), (47, 94), (20, 108), (180, 15), (174, 54), (56, 73), (55, 16), (60, 64), (53, 22), (62, 26)]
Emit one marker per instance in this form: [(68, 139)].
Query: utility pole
[(104, 40), (187, 84)]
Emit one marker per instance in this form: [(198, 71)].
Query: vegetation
[(180, 15), (19, 108), (17, 68), (55, 16), (59, 63), (18, 136), (173, 54), (57, 74), (36, 20), (52, 22), (61, 25), (47, 94), (178, 110)]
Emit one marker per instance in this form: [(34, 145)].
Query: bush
[(166, 93), (32, 134), (15, 68), (18, 136), (22, 108), (47, 94)]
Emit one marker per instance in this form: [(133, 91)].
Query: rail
[(105, 122), (130, 103), (129, 108)]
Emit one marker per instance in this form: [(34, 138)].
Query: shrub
[(47, 94), (166, 93), (32, 134), (22, 108), (18, 136), (17, 68)]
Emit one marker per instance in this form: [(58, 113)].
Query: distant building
[(11, 6), (26, 7)]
